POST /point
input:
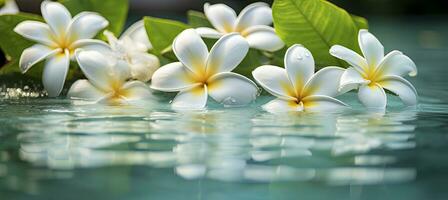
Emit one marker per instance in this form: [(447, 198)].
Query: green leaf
[(162, 32), (2, 3), (360, 22), (115, 11), (197, 19), (12, 43), (253, 59), (316, 24)]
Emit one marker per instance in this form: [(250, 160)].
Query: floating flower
[(376, 72), (57, 41), (133, 47), (296, 87), (106, 80), (200, 73), (252, 23), (10, 7)]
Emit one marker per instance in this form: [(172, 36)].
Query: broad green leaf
[(2, 3), (316, 24), (115, 11), (162, 32), (360, 22), (197, 19), (253, 59), (12, 43)]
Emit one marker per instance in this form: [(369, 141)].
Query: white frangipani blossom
[(57, 41), (10, 7), (201, 73), (106, 80), (296, 86), (253, 23), (375, 72), (133, 46)]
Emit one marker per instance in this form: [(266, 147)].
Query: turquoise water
[(61, 149)]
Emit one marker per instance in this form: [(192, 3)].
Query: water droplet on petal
[(307, 54), (300, 57)]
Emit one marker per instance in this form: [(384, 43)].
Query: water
[(61, 149)]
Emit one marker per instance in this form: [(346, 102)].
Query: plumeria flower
[(106, 80), (376, 72), (133, 46), (200, 73), (57, 41), (253, 23), (10, 7), (296, 86)]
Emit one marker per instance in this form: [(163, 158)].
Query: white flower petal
[(395, 63), (371, 47), (350, 80), (86, 25), (274, 80), (143, 66), (349, 56), (208, 32), (192, 98), (172, 77), (322, 103), (221, 16), (227, 53), (258, 13), (55, 72), (400, 87), (229, 88), (324, 82), (83, 89), (137, 33), (10, 7), (136, 90), (372, 96), (263, 38), (191, 50), (56, 16), (35, 31), (34, 55), (282, 105), (92, 45), (96, 67), (299, 64)]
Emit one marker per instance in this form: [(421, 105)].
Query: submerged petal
[(232, 89), (227, 53), (191, 50), (208, 32), (274, 80), (55, 72), (34, 55), (324, 82), (282, 105), (299, 64), (35, 31), (56, 16), (372, 96), (349, 56), (395, 63), (350, 80), (258, 13), (371, 47), (172, 77), (400, 87), (83, 89), (322, 103), (192, 98), (221, 16), (86, 25), (263, 38)]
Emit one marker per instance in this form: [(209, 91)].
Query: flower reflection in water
[(241, 144)]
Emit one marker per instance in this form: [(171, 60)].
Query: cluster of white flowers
[(117, 72)]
